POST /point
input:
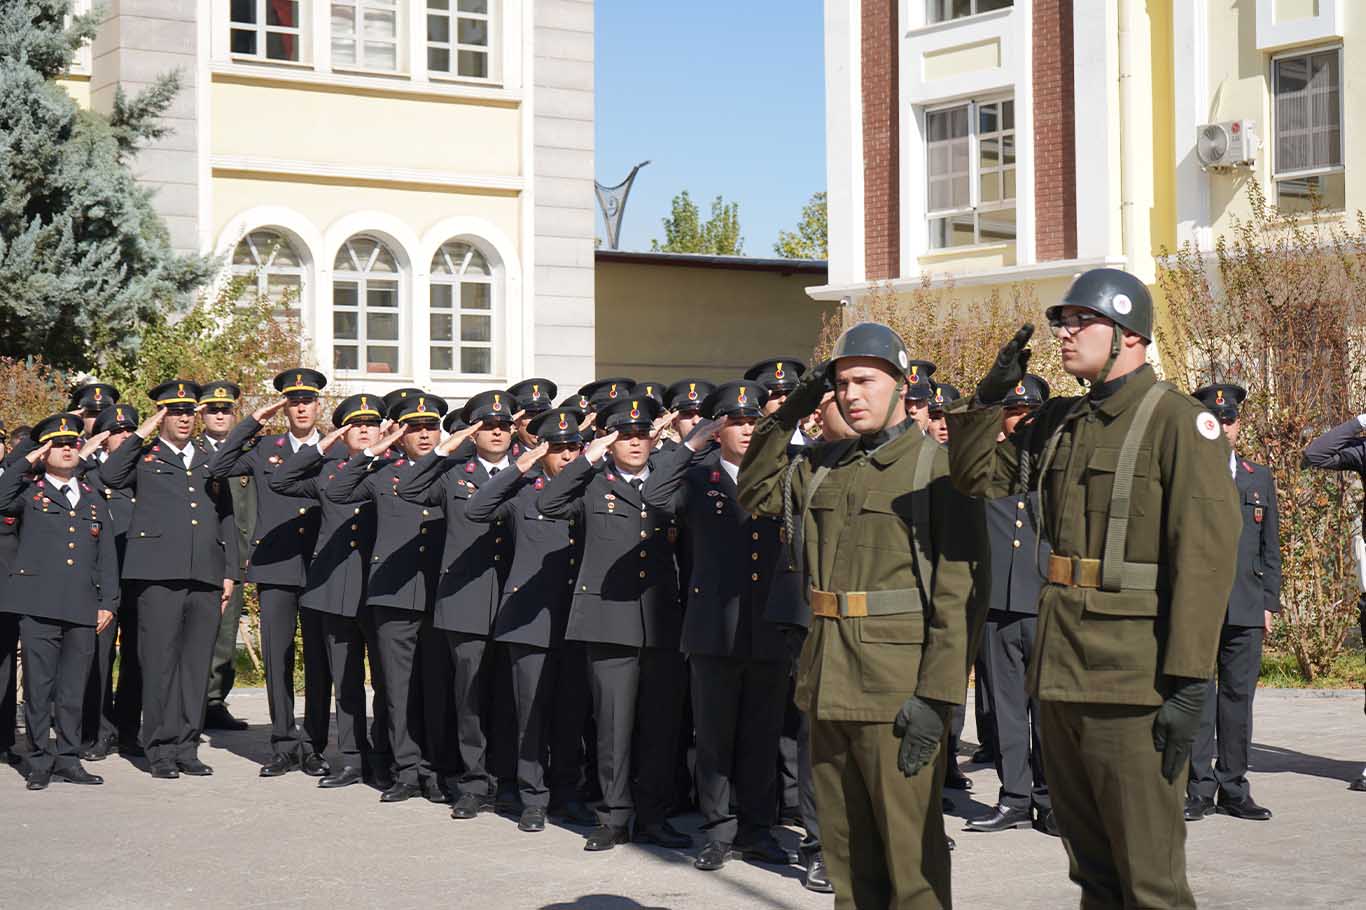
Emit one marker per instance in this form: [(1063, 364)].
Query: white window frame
[(1276, 173), (931, 4), (494, 19), (302, 33), (361, 279), (400, 8), (265, 267), (457, 310), (974, 175)]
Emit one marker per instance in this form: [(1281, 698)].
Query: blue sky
[(723, 98)]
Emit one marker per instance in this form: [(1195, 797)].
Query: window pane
[(1010, 183), (960, 198), (989, 153), (997, 226), (441, 326), (475, 296), (442, 295), (986, 6), (282, 47), (344, 324), (282, 12), (476, 360), (244, 11), (955, 230), (438, 60), (941, 195), (439, 29), (988, 118), (442, 358), (474, 31), (384, 262), (284, 288), (475, 328), (381, 56), (476, 265), (1008, 115), (1008, 149), (343, 52), (278, 250), (381, 295), (343, 21), (243, 42), (381, 359), (474, 6), (438, 4), (989, 187), (381, 23), (242, 254), (1327, 191), (344, 358), (474, 64), (345, 294), (381, 326)]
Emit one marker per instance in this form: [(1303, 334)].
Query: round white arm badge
[(1207, 425)]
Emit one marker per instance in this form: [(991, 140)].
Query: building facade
[(415, 177), (991, 143)]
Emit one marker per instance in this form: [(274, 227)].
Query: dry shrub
[(1276, 309), (31, 390)]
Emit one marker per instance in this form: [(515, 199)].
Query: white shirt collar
[(490, 465), (1233, 464), (628, 477), (188, 447), (57, 483), (295, 443), (732, 469)]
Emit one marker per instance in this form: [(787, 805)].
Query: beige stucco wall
[(666, 322)]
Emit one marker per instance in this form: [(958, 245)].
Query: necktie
[(69, 490), (493, 471), (638, 484)]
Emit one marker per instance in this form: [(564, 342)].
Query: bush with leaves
[(30, 389), (1279, 310)]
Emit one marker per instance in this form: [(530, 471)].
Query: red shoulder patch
[(10, 519), (469, 467), (1247, 467), (540, 483), (715, 476), (280, 442)]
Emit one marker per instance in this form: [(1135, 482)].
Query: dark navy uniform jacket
[(337, 567), (182, 527), (1016, 576), (66, 567), (1257, 584), (286, 526), (539, 588), (627, 590), (475, 556)]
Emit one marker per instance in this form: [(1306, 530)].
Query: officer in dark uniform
[(218, 414), (919, 391), (532, 616), (534, 397), (739, 661), (335, 588), (286, 531), (9, 626), (684, 398), (182, 553), (1008, 639), (402, 576), (944, 395), (630, 618), (1256, 595), (111, 715), (64, 586), (89, 401), (779, 376), (474, 563)]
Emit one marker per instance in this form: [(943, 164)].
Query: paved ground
[(239, 842)]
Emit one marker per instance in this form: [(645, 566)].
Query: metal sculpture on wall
[(612, 201)]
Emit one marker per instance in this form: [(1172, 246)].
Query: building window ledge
[(361, 82), (947, 25), (974, 249), (1008, 275)]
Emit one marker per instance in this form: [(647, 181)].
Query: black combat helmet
[(1114, 294), (871, 339)]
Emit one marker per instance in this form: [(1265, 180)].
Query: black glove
[(920, 724), (1009, 368), (804, 399), (1177, 722)]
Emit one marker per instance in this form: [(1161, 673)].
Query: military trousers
[(795, 786), (738, 726), (882, 833), (456, 686), (111, 712), (9, 676), (177, 624), (57, 658), (223, 668), (1007, 645), (397, 634), (1121, 821), (280, 614), (571, 711), (1227, 718), (346, 639)]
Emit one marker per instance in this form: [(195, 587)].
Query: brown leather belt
[(1073, 571), (854, 604)]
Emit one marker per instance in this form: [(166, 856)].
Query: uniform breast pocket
[(1101, 470), (613, 518), (536, 526), (1119, 630), (889, 651), (884, 520)]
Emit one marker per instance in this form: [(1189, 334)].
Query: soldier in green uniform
[(891, 552), (1141, 511)]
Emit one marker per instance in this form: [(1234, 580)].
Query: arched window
[(461, 310), (367, 328), (268, 258)]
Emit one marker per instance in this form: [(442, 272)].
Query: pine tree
[(84, 258)]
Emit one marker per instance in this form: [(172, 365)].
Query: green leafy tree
[(85, 261), (809, 240), (685, 232)]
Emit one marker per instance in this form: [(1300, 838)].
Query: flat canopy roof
[(703, 261)]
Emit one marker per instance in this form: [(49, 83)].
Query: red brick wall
[(1055, 153), (881, 167)]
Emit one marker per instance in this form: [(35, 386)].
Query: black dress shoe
[(399, 792), (1048, 823), (574, 812), (218, 717), (1359, 785), (165, 771), (130, 749), (1244, 808), (348, 775), (432, 790), (38, 780), (817, 879), (279, 765), (983, 756), (533, 819), (10, 757), (75, 774), (764, 848), (469, 805), (791, 815), (98, 750), (950, 843), (314, 765), (713, 856), (955, 779), (663, 834), (193, 767), (1003, 819), (605, 837), (1197, 807)]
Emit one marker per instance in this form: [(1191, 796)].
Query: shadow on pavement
[(600, 902), (1278, 760)]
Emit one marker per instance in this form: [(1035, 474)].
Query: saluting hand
[(396, 431), (457, 439), (588, 422), (1008, 369), (598, 447), (704, 432), (92, 445), (152, 424), (38, 454), (661, 424), (326, 442), (531, 456), (267, 411)]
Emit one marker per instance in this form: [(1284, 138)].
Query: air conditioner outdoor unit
[(1232, 143)]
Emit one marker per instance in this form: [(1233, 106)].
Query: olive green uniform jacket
[(857, 536), (1116, 647)]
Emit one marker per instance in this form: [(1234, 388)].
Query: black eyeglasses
[(218, 409), (1073, 323)]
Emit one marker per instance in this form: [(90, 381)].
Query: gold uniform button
[(497, 558), (642, 574), (1015, 544), (194, 505), (1019, 524), (355, 527), (497, 540), (71, 562), (425, 513), (571, 562), (754, 536), (1020, 504), (191, 489), (422, 530), (754, 556), (142, 533), (644, 553), (697, 590), (194, 521), (644, 534), (584, 588), (642, 514), (422, 549), (303, 510), (71, 546), (754, 577), (356, 511), (71, 514), (189, 473), (72, 529), (303, 530), (353, 544)]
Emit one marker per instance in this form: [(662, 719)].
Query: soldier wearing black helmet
[(1137, 501), (891, 553)]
